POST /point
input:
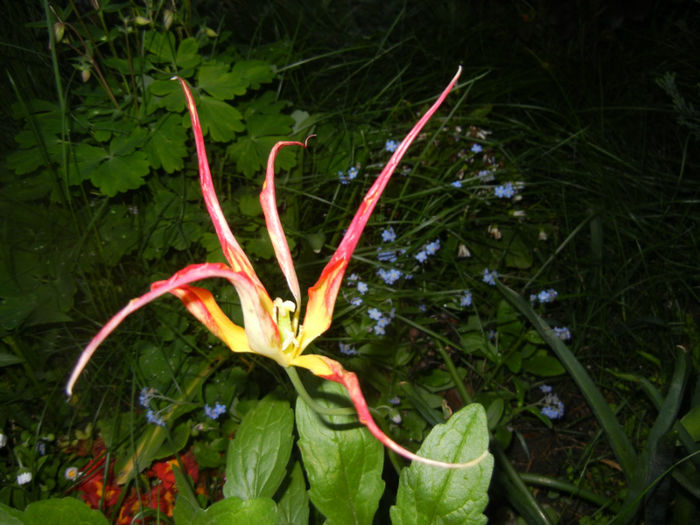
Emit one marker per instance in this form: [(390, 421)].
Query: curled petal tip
[(350, 382)]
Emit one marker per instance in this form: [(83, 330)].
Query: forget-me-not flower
[(388, 234), (562, 332), (489, 277), (505, 191), (465, 299), (356, 301), (215, 412), (154, 418), (456, 184), (391, 146), (476, 148), (362, 287), (347, 349)]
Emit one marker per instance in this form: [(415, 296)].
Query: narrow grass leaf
[(616, 435), (257, 457), (343, 462), (448, 496)]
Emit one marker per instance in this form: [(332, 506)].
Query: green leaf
[(63, 511), (448, 496), (221, 84), (258, 511), (219, 119), (543, 366), (258, 455), (162, 45), (691, 422), (343, 464), (8, 359), (166, 94), (255, 72), (188, 54), (167, 146), (293, 507)]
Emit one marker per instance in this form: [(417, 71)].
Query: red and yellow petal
[(253, 303), (323, 294), (203, 306), (352, 385)]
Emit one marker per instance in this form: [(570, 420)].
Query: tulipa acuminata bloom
[(271, 327)]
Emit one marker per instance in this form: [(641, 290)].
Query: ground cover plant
[(535, 254)]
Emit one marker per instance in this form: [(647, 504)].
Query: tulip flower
[(271, 327)]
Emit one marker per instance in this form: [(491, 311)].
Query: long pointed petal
[(350, 382), (262, 327), (323, 294), (232, 250), (203, 306), (274, 225)]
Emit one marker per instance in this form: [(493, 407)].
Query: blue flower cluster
[(456, 184), (476, 148), (545, 296), (562, 332), (345, 178), (391, 146), (430, 249), (346, 349), (505, 191), (215, 412), (552, 407), (389, 276), (381, 318), (388, 234), (490, 277), (145, 396), (465, 299), (153, 417)]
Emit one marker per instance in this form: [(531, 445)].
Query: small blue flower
[(489, 277), (562, 332), (545, 389), (214, 413), (390, 146), (375, 314), (421, 256), (396, 419), (154, 418), (547, 296), (379, 330), (505, 191), (388, 235), (389, 276), (345, 178), (422, 308), (145, 396), (386, 255), (395, 400), (353, 277), (356, 301), (346, 349), (456, 184), (465, 299), (476, 148), (362, 287), (552, 407), (432, 247)]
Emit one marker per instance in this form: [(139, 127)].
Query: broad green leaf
[(167, 146), (63, 511), (255, 72), (249, 205), (293, 507), (258, 511), (219, 119), (186, 504), (221, 84), (166, 94), (162, 45), (258, 455), (343, 462), (251, 150), (187, 54), (430, 495), (543, 366), (119, 174)]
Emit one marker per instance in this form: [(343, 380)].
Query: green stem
[(301, 390)]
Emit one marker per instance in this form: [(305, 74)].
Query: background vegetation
[(588, 109)]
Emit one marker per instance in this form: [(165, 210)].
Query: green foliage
[(64, 511), (430, 495)]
